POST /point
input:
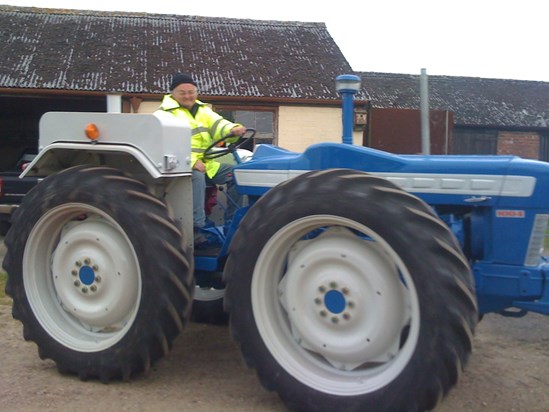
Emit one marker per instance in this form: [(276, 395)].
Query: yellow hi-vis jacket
[(206, 127)]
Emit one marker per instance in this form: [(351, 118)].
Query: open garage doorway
[(20, 115)]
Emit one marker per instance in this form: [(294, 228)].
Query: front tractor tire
[(98, 273), (347, 293)]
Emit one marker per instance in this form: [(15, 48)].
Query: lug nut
[(318, 301), (346, 316), (323, 313), (95, 268), (85, 289), (93, 288), (345, 291), (335, 319), (333, 285), (74, 272), (87, 261), (78, 263), (76, 283), (98, 279), (322, 289)]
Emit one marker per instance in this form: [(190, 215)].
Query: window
[(260, 119), (475, 141)]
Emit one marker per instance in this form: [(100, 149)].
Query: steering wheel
[(213, 151)]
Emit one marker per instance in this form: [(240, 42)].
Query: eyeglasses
[(186, 92)]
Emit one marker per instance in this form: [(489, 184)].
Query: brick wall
[(523, 144)]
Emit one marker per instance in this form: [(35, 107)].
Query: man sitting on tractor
[(207, 126)]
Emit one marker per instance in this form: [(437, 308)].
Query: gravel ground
[(508, 372)]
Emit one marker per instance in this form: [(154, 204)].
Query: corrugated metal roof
[(117, 52), (474, 101)]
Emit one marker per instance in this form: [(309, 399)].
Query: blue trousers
[(224, 176)]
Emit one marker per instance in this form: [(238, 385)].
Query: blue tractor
[(353, 278)]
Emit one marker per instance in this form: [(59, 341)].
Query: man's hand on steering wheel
[(213, 151), (238, 130)]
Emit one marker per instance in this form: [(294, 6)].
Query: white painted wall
[(299, 127), (149, 106)]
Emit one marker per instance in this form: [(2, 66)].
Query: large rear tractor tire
[(98, 273), (347, 293)]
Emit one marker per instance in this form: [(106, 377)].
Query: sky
[(499, 39)]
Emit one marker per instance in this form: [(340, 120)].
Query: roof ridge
[(444, 76), (132, 14)]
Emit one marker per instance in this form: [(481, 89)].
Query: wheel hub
[(333, 303), (93, 277), (344, 299), (86, 277)]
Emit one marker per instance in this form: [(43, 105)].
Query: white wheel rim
[(331, 309), (208, 294), (81, 277)]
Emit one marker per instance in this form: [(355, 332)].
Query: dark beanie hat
[(180, 78)]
